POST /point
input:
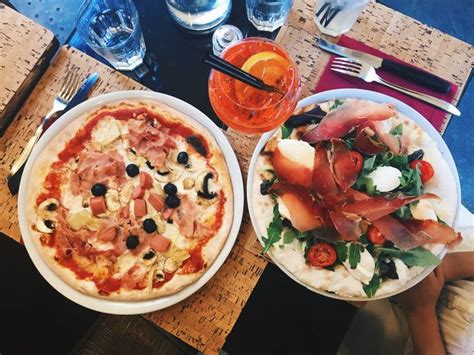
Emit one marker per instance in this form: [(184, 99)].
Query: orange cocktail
[(244, 107)]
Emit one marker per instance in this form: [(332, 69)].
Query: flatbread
[(210, 247), (290, 257)]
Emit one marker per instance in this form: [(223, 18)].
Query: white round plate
[(132, 307), (377, 97)]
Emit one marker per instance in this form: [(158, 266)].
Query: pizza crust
[(340, 281), (210, 251)]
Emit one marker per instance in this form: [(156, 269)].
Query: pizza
[(354, 198), (130, 202)]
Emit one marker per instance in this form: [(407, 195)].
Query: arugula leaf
[(341, 251), (285, 131), (369, 164), (410, 182), (273, 231), (404, 213), (373, 286), (414, 257), (354, 254), (397, 130), (363, 239), (336, 104), (289, 236), (364, 183), (330, 268), (400, 162)]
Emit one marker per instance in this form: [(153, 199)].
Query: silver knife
[(16, 171), (407, 72)]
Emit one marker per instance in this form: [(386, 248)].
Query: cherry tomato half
[(321, 255), (426, 170), (374, 236), (357, 159)]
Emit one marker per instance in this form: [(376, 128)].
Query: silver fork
[(68, 89), (367, 73)]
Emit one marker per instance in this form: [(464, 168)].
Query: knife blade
[(415, 75), (14, 177)]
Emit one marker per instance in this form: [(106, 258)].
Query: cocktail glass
[(248, 109)]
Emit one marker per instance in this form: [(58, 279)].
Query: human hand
[(422, 298)]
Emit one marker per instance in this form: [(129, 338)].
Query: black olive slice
[(313, 116), (52, 206), (205, 188), (197, 145), (150, 254)]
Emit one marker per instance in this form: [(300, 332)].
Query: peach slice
[(293, 161)]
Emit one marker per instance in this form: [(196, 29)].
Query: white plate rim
[(377, 97), (145, 306)]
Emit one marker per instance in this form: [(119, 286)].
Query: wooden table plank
[(25, 50)]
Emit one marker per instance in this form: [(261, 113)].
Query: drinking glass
[(199, 15), (246, 108), (112, 29), (335, 17), (268, 15)]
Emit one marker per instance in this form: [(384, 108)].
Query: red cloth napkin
[(332, 80)]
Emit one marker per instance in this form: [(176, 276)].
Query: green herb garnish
[(414, 257), (354, 254), (341, 251), (397, 130), (285, 131), (336, 104), (373, 286), (273, 231)]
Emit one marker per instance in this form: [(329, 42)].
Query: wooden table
[(206, 318)]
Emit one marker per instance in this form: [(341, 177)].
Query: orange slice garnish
[(271, 67)]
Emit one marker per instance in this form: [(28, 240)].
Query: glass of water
[(199, 15), (335, 17), (111, 28), (268, 15)]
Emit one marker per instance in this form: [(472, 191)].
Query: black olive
[(183, 158), (388, 270), (172, 201), (170, 189), (150, 254), (416, 155), (170, 221), (52, 206), (98, 189), (163, 173), (149, 225), (133, 151), (287, 223), (149, 165), (205, 187), (265, 185), (197, 145), (49, 223), (132, 242), (313, 116), (132, 170)]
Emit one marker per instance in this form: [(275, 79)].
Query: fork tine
[(344, 59), (65, 84), (351, 73), (70, 87), (74, 86), (345, 67), (351, 64)]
